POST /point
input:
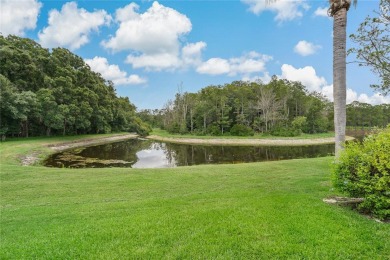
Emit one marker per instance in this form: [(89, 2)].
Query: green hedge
[(363, 170)]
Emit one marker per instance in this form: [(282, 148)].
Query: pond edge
[(37, 157), (248, 142)]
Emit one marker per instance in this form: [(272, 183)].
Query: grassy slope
[(164, 133), (248, 211)]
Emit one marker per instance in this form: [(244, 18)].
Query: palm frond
[(354, 2)]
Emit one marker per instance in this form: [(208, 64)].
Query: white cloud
[(327, 91), (308, 77), (112, 72), (352, 95), (375, 99), (285, 10), (245, 65), (18, 16), (249, 63), (71, 26), (321, 12), (192, 53), (214, 66), (305, 48), (154, 61), (153, 37), (127, 13), (133, 79), (155, 31)]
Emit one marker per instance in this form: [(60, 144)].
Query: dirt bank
[(34, 157), (89, 142), (249, 142)]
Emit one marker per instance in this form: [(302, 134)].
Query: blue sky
[(150, 48)]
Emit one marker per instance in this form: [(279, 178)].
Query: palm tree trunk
[(339, 77)]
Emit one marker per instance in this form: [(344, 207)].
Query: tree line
[(55, 93), (280, 108), (363, 115)]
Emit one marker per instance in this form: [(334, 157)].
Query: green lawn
[(270, 210), (164, 133)]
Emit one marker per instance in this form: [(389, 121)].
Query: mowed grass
[(270, 210), (164, 133)]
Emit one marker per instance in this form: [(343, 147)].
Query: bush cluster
[(241, 130), (55, 92), (214, 130), (286, 131), (140, 127), (363, 170)]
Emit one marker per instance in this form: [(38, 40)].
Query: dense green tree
[(45, 93), (280, 107), (316, 120), (262, 107), (154, 117), (51, 115), (8, 107), (338, 10), (363, 115), (16, 108)]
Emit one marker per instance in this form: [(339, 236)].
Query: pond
[(140, 153)]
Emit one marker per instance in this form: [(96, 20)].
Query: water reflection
[(138, 153), (155, 157)]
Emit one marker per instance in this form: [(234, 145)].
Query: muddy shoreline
[(33, 158)]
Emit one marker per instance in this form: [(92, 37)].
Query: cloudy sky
[(149, 49)]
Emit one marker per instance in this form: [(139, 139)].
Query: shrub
[(173, 128), (199, 132), (299, 122), (144, 129), (241, 130), (363, 170), (183, 129), (316, 125), (140, 127), (214, 130), (286, 131)]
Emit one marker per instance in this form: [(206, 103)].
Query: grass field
[(269, 210), (165, 133)]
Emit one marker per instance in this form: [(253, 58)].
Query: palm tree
[(338, 10)]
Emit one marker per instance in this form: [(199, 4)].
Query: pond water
[(139, 153)]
